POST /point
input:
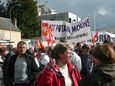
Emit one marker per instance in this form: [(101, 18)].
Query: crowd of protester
[(60, 65)]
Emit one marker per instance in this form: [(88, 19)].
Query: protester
[(77, 48), (75, 58), (103, 73), (36, 57), (43, 58), (22, 69), (107, 41), (76, 61), (48, 50), (1, 64), (5, 54), (30, 51), (10, 49), (63, 73), (86, 59)]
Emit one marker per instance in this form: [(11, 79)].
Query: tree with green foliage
[(2, 9), (26, 15)]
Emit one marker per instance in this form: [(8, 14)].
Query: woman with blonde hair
[(103, 73)]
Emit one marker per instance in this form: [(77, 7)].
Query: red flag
[(50, 39), (44, 29), (39, 44), (95, 37)]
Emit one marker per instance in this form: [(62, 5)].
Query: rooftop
[(5, 24)]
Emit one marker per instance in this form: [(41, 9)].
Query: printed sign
[(70, 32)]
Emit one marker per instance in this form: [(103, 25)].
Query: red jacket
[(55, 78)]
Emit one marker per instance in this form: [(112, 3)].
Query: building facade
[(65, 16), (9, 33)]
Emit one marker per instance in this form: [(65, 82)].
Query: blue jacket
[(87, 64)]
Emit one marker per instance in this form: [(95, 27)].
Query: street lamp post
[(11, 16)]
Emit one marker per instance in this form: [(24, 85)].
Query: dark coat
[(102, 75), (5, 68), (87, 64), (32, 69)]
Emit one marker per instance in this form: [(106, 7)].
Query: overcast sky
[(104, 10)]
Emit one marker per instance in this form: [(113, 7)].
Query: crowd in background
[(60, 65)]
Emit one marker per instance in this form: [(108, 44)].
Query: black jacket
[(5, 68), (32, 69), (102, 75)]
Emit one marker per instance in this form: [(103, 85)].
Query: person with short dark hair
[(103, 73), (10, 48), (22, 68), (77, 48), (6, 56), (86, 59), (63, 73)]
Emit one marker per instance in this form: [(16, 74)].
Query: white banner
[(104, 36), (70, 32)]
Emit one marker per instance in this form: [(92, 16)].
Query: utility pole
[(94, 20)]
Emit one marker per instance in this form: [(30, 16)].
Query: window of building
[(69, 20)]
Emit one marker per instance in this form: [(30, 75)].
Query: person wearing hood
[(103, 73)]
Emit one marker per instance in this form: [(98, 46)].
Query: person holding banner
[(61, 73)]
